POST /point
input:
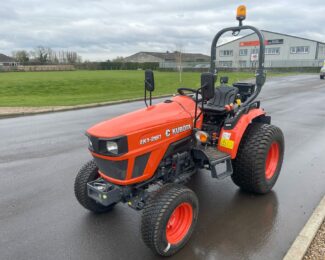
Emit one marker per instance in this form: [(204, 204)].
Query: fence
[(38, 68), (242, 64), (283, 65), (293, 63), (118, 65)]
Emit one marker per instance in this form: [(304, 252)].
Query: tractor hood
[(179, 108)]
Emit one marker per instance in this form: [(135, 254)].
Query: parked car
[(322, 72)]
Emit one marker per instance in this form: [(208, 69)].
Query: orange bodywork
[(229, 140), (150, 129)]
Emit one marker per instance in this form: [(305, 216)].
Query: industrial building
[(281, 50), (171, 59)]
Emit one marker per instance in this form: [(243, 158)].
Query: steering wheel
[(181, 92)]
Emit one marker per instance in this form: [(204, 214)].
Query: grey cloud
[(104, 29)]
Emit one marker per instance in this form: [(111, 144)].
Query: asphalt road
[(41, 219)]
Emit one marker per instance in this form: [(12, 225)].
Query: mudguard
[(229, 139)]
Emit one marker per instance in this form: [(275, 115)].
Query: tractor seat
[(224, 95)]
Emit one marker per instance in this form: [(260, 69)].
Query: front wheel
[(169, 218), (259, 158), (89, 172)]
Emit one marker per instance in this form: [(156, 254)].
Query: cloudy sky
[(104, 29)]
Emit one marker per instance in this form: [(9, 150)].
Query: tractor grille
[(113, 169), (139, 165)]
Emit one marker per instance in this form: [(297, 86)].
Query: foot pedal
[(219, 162)]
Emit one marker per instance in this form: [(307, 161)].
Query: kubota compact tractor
[(143, 158)]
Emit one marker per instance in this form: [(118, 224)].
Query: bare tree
[(41, 54), (21, 56), (45, 55), (72, 57)]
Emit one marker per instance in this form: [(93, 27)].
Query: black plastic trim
[(140, 164), (99, 146), (263, 119), (112, 169), (182, 145)]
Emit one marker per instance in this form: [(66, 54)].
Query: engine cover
[(149, 133)]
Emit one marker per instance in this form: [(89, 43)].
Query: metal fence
[(184, 65), (243, 64), (293, 63)]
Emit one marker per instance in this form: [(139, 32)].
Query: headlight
[(108, 146), (112, 147), (90, 143)]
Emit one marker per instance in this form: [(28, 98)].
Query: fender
[(229, 140)]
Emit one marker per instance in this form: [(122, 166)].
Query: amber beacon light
[(241, 13)]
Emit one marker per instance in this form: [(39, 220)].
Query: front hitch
[(104, 192)]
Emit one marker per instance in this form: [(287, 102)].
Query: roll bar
[(260, 72)]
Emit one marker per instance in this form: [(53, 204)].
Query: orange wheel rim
[(179, 223), (272, 160)]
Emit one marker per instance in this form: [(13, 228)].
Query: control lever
[(233, 108)]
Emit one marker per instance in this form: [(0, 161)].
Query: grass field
[(84, 87)]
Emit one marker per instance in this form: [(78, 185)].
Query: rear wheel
[(169, 218), (89, 172), (259, 158), (321, 77)]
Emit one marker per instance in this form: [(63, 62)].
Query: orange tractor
[(145, 157)]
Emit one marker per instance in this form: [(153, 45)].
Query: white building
[(281, 50), (7, 61)]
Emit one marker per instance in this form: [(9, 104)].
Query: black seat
[(224, 95)]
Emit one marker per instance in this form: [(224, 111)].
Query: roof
[(172, 56), (288, 35), (5, 58)]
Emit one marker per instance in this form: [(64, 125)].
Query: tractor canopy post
[(260, 72)]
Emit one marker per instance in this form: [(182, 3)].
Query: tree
[(42, 54), (45, 55), (72, 57), (118, 59), (21, 56)]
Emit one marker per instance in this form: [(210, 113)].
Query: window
[(268, 51), (243, 52), (272, 51), (224, 53), (242, 63), (225, 63), (299, 50)]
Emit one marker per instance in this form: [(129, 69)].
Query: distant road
[(40, 218)]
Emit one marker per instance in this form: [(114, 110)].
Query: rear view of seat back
[(224, 95)]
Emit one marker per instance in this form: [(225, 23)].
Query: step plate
[(215, 157)]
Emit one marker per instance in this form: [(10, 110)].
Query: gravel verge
[(316, 249)]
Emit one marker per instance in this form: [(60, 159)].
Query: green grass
[(84, 87)]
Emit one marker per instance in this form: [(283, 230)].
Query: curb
[(77, 107), (300, 246)]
